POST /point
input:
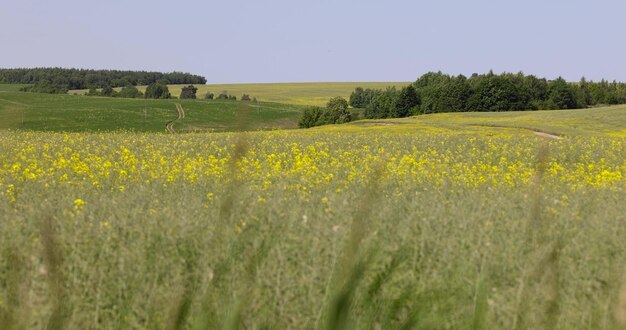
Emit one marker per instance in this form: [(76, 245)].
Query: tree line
[(159, 90), (436, 92), (60, 80), (335, 112)]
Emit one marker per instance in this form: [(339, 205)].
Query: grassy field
[(446, 221), (289, 93), (606, 120), (50, 112), (421, 223)]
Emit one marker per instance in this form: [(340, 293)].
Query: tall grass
[(378, 253)]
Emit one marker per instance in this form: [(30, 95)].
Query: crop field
[(52, 112), (289, 93), (508, 220), (445, 221), (582, 122)]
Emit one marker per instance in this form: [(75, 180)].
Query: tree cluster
[(225, 96), (60, 80), (436, 92), (188, 92), (157, 91), (335, 112), (126, 92)]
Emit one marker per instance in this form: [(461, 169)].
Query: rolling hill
[(74, 113), (290, 93), (50, 112)]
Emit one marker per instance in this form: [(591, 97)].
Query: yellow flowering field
[(490, 228), (315, 160)]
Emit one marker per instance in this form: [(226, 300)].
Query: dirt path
[(181, 115), (181, 112), (548, 135)]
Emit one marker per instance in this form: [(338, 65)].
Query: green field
[(443, 221), (290, 93), (51, 112), (597, 121)]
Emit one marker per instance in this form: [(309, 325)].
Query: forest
[(436, 92), (60, 80)]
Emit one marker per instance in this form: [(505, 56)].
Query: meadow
[(73, 113), (609, 121), (446, 221)]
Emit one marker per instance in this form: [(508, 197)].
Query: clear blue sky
[(234, 41)]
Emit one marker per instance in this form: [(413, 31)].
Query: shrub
[(188, 92)]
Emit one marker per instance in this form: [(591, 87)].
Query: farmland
[(446, 221), (288, 93), (72, 113)]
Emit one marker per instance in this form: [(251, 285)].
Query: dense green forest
[(436, 92), (60, 80)]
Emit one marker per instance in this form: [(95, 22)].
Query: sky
[(239, 41)]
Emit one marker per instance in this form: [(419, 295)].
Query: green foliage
[(445, 96), (583, 93), (337, 103), (188, 92), (336, 112), (157, 91), (361, 98), (535, 87), (209, 96), (356, 98), (225, 96), (604, 92), (92, 92), (436, 92), (561, 95), (107, 91), (45, 86), (67, 79), (383, 104), (130, 92), (498, 93), (431, 79), (311, 117), (406, 102)]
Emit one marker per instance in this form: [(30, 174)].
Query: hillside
[(290, 93), (53, 112), (47, 112), (595, 121)]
